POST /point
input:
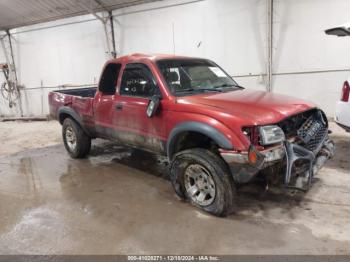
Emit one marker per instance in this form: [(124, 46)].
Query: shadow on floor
[(251, 197), (342, 150), (98, 174), (141, 160)]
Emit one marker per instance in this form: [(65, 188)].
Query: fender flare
[(72, 114), (198, 127)]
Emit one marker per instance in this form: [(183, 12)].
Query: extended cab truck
[(215, 133)]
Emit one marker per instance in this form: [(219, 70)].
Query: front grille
[(291, 125), (309, 127), (316, 141)]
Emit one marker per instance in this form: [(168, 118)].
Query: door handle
[(119, 107)]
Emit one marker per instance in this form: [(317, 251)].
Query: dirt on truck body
[(215, 133)]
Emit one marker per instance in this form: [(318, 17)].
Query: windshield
[(190, 76)]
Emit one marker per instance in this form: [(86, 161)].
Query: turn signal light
[(252, 157), (255, 158)]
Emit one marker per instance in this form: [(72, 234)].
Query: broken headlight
[(271, 135)]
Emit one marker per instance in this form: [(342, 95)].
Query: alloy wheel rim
[(199, 185), (71, 138)]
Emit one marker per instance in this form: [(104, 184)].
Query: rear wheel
[(203, 178), (75, 140)]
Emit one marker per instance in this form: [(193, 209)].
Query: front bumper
[(290, 154)]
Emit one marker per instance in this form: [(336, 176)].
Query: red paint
[(345, 92), (227, 112)]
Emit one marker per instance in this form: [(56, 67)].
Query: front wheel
[(203, 178), (76, 142)]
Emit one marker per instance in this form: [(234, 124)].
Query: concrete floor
[(118, 201)]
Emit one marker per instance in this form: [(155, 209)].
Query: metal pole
[(42, 97), (269, 86), (107, 38), (13, 59), (114, 54)]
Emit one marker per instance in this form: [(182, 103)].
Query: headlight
[(271, 135)]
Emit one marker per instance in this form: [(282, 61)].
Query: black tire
[(225, 191), (83, 141)]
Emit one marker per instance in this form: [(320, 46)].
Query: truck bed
[(82, 92), (79, 99)]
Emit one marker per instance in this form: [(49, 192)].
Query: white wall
[(70, 54), (230, 32), (300, 44), (67, 54)]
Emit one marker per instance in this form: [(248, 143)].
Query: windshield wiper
[(229, 85), (199, 90)]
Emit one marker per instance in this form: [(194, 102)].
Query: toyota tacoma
[(216, 134)]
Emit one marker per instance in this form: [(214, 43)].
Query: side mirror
[(153, 105)]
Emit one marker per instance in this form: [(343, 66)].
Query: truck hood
[(258, 107)]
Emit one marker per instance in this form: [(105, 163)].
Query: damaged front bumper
[(300, 163)]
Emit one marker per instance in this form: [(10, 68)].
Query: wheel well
[(190, 139), (63, 116)]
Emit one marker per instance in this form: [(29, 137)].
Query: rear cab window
[(109, 78)]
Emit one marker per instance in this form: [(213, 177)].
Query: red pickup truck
[(215, 133)]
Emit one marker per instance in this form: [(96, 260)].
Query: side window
[(109, 79), (138, 81)]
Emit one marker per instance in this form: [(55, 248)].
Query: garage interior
[(119, 200)]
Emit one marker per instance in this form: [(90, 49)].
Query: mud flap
[(294, 153)]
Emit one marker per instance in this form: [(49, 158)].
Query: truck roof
[(139, 56)]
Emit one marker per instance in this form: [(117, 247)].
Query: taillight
[(345, 92)]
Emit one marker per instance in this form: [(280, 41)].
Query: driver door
[(137, 86)]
